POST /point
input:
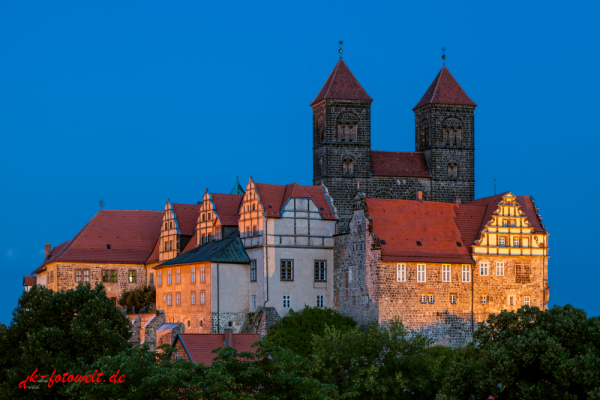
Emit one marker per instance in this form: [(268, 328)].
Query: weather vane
[(444, 55), (101, 203), (341, 50)]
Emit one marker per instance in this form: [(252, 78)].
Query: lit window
[(201, 274), (511, 300), (287, 270), (252, 270), (516, 242), (86, 275), (202, 297), (446, 273), (113, 276), (500, 268), (254, 302), (193, 298), (484, 269), (430, 298), (466, 273), (159, 274), (168, 277), (424, 299), (350, 274), (484, 299), (401, 272), (77, 275), (131, 276), (527, 300), (320, 271), (320, 301), (502, 242), (504, 223), (287, 301), (512, 223), (178, 299), (421, 273), (177, 356), (452, 299), (178, 277), (193, 274)]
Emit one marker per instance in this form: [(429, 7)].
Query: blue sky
[(136, 102)]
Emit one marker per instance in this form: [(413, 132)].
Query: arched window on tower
[(353, 133), (340, 133), (452, 169), (452, 132), (321, 129), (344, 167), (350, 166)]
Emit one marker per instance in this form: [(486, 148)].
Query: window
[(131, 276), (193, 298), (78, 275), (320, 271), (287, 270), (362, 246), (254, 302), (178, 276), (166, 227), (252, 270), (430, 298), (527, 300), (355, 246), (500, 268), (105, 275), (151, 279), (86, 275), (109, 276), (202, 297), (168, 299), (159, 275), (287, 301), (113, 276), (504, 223), (421, 273), (466, 273), (218, 234), (446, 273), (178, 299), (320, 301), (253, 207), (502, 242), (516, 242), (165, 297), (423, 299), (82, 275), (350, 166), (512, 223), (170, 245), (201, 274), (484, 269), (484, 299), (168, 277), (401, 272), (193, 275), (177, 356), (171, 224), (511, 300), (344, 167), (365, 299), (350, 274), (452, 299)]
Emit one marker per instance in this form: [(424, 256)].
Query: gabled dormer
[(253, 213), (218, 216), (512, 227), (177, 229)]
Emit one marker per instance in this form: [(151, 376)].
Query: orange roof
[(131, 236), (525, 202), (437, 226), (29, 280), (187, 216), (227, 207), (342, 85), (445, 90), (274, 198), (400, 164), (199, 346)]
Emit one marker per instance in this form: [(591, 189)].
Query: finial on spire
[(444, 54), (341, 50)]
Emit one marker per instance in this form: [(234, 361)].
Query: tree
[(138, 298), (530, 354), (383, 363), (296, 330), (59, 331)]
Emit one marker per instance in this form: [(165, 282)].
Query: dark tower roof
[(342, 85), (445, 90), (237, 188)]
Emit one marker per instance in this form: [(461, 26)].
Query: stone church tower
[(441, 169)]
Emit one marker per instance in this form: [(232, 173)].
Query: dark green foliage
[(58, 331), (138, 298), (381, 363), (531, 354), (296, 330)]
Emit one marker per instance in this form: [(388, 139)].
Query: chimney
[(420, 196), (47, 250), (228, 337), (457, 200)]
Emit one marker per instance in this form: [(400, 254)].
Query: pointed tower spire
[(341, 85), (445, 90), (237, 188)]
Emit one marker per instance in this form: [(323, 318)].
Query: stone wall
[(168, 335), (150, 329), (136, 327), (220, 321)]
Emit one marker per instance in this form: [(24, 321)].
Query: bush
[(138, 298)]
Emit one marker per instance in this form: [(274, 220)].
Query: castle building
[(440, 268), (442, 166)]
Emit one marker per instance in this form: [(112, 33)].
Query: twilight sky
[(139, 101)]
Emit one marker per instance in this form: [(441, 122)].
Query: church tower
[(445, 132), (342, 137)]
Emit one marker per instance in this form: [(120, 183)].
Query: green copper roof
[(237, 188), (229, 250)]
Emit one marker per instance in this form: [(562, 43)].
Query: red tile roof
[(227, 207), (277, 196), (154, 256), (342, 84), (199, 346), (191, 244), (187, 216), (29, 280), (400, 164), (438, 226), (132, 235), (445, 90)]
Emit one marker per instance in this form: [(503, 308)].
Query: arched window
[(452, 132), (452, 169), (347, 127), (350, 167), (203, 217), (424, 134), (321, 129), (253, 207), (171, 224), (344, 167)]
